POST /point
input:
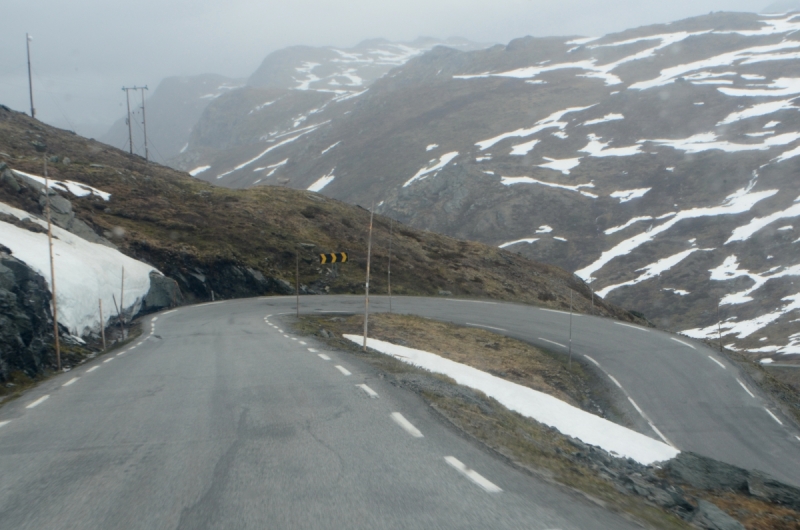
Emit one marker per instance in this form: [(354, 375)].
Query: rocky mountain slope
[(210, 242), (330, 72), (658, 163)]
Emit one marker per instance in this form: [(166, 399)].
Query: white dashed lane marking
[(487, 327), (593, 361), (324, 357), (719, 363), (4, 422), (553, 342), (92, 369), (473, 475), (312, 350), (303, 343), (615, 380), (371, 393), (774, 417), (70, 381), (634, 327), (406, 425), (108, 360), (745, 388), (557, 311), (37, 402), (684, 343), (344, 370)]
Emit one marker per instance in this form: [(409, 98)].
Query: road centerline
[(70, 381), (37, 402), (371, 393), (344, 370), (472, 475), (406, 425)]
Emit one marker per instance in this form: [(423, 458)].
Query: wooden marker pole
[(297, 282), (389, 272), (121, 304), (570, 328), (719, 329), (102, 324), (366, 291), (52, 266)]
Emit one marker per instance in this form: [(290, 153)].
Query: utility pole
[(28, 40), (144, 124), (391, 229), (366, 292), (52, 266), (127, 90), (130, 132)]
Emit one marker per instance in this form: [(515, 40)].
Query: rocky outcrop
[(25, 319), (164, 292)]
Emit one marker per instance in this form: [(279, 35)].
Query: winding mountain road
[(218, 418)]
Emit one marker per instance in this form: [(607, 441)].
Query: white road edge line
[(4, 422), (108, 360), (798, 437), (716, 361), (371, 393), (616, 382), (474, 476), (470, 301), (484, 326), (303, 343), (745, 388), (92, 369), (562, 312), (635, 405), (154, 319), (312, 350), (323, 357), (666, 440), (634, 327), (595, 362), (774, 417), (71, 381), (37, 402), (121, 353), (552, 342), (342, 369), (406, 425), (172, 311), (684, 343)]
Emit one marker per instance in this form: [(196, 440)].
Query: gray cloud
[(85, 50)]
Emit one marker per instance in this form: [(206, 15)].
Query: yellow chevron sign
[(338, 257)]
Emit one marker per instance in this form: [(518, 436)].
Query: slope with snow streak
[(85, 272), (542, 407)]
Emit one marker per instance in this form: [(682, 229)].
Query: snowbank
[(542, 407), (85, 272)]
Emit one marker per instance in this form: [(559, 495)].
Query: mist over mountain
[(658, 163)]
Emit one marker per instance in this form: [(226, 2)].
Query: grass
[(528, 444)]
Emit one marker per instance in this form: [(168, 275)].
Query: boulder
[(25, 319), (164, 292), (707, 474), (710, 517)]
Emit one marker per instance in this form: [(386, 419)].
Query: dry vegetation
[(186, 227)]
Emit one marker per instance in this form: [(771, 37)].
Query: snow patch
[(85, 272), (431, 147), (424, 172), (526, 240), (629, 195), (604, 119), (322, 182), (553, 120), (69, 186), (539, 406), (564, 165), (651, 271), (196, 171)]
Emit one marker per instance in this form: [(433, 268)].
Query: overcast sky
[(84, 51)]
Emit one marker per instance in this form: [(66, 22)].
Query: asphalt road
[(218, 419), (688, 394)]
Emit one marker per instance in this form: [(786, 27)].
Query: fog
[(84, 51)]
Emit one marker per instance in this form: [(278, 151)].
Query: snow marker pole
[(570, 328), (102, 324), (366, 291), (52, 266)]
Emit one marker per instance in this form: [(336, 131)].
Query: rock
[(764, 487), (710, 517), (25, 320), (705, 473), (66, 161), (164, 292), (39, 145), (8, 180)]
